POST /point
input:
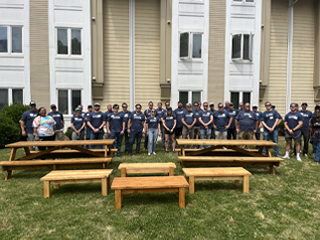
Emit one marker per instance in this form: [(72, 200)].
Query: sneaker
[(298, 159), (173, 152), (278, 156), (286, 157), (149, 154), (305, 155), (154, 153)]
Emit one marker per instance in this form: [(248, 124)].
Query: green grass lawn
[(285, 206)]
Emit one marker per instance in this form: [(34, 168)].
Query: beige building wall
[(276, 89), (147, 52), (116, 88), (217, 26), (303, 52), (39, 53)]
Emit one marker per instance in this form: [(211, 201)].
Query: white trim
[(228, 49), (132, 52), (289, 57), (205, 52)]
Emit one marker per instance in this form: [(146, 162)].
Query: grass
[(285, 206)]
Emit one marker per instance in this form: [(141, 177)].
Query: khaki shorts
[(60, 135)]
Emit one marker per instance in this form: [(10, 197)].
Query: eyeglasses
[(138, 107), (220, 106), (196, 105), (124, 106), (304, 104), (247, 105), (205, 105), (268, 105), (188, 106), (153, 111)]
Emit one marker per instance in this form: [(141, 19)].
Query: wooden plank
[(13, 154), (23, 144), (196, 178), (211, 172), (244, 151), (66, 151), (225, 142), (272, 170), (202, 151), (246, 184), (75, 181), (123, 172), (237, 163), (77, 174), (146, 165), (191, 184), (118, 198), (153, 190), (38, 154), (46, 189), (51, 162), (8, 174), (182, 201), (87, 151), (171, 171), (231, 159), (27, 151), (104, 187)]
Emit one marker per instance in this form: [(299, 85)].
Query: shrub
[(9, 131), (281, 129), (68, 132), (14, 111)]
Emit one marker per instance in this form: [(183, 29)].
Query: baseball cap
[(78, 110), (169, 109), (254, 105), (230, 103), (97, 104), (304, 103), (90, 106), (53, 106), (273, 106), (32, 103), (211, 104)]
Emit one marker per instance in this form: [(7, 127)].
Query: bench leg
[(182, 198), (171, 171), (237, 182), (246, 184), (46, 189), (118, 199), (104, 188), (123, 172), (108, 183), (272, 170), (191, 184), (8, 174)]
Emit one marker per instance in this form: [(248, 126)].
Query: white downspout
[(132, 52)]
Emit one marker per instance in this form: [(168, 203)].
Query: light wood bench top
[(206, 172), (149, 182), (225, 142), (146, 165), (231, 159), (76, 151), (77, 174), (53, 162), (22, 144)]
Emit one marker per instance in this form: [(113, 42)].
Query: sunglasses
[(304, 104), (247, 105), (138, 107), (268, 105), (220, 107)]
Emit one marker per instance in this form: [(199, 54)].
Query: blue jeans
[(232, 132), (203, 133), (146, 140), (274, 137), (316, 146), (153, 134), (96, 136), (126, 141), (117, 143), (133, 136)]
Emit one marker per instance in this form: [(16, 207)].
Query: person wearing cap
[(305, 130), (167, 104), (78, 125), (222, 122), (58, 117), (152, 129), (188, 120), (126, 115), (232, 132), (135, 128), (107, 115), (293, 122), (197, 111), (258, 116), (147, 113), (246, 123), (160, 111), (205, 120), (269, 121), (96, 121), (179, 113), (27, 120), (115, 128), (211, 105), (169, 122)]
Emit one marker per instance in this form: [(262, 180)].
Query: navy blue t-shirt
[(58, 117), (28, 117), (86, 115), (221, 120), (160, 113), (189, 117), (197, 115), (269, 118), (179, 113), (107, 115), (96, 119), (136, 122), (205, 117), (147, 113), (306, 119), (77, 121), (233, 114), (247, 121), (292, 120), (115, 122), (152, 122), (258, 115), (169, 121), (126, 116)]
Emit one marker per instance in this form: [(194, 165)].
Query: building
[(113, 51)]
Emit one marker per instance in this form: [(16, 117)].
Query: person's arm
[(129, 125), (279, 121), (101, 126), (237, 125), (200, 120), (73, 128), (299, 126), (287, 128), (62, 121), (123, 125), (184, 123), (159, 131), (36, 134), (230, 121), (108, 126), (23, 128), (146, 128), (265, 125), (211, 120), (257, 125), (194, 122), (174, 124)]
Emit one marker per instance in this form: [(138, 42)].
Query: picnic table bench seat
[(53, 164), (124, 185), (135, 168), (226, 173)]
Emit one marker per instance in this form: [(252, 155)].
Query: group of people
[(194, 121)]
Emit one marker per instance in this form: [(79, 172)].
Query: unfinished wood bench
[(53, 164), (149, 185), (134, 168), (70, 153), (204, 174), (57, 178)]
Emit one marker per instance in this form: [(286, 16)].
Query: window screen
[(196, 97), (76, 99), (246, 47), (62, 41), (246, 97), (183, 97), (236, 46), (16, 39), (235, 99), (76, 41), (197, 46), (17, 95)]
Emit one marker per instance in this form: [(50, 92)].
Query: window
[(242, 47), (9, 96), (190, 43), (246, 97), (237, 97), (244, 1), (189, 96), (183, 97), (68, 41), (67, 96), (10, 39)]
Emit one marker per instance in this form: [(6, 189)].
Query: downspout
[(132, 52)]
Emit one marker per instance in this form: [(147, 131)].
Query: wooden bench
[(53, 164), (204, 174), (76, 176), (236, 161), (69, 153), (134, 168), (149, 185)]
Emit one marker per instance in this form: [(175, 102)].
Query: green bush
[(281, 129), (68, 132), (14, 111), (9, 131)]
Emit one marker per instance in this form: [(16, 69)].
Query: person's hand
[(291, 131), (78, 132), (147, 133), (271, 129), (96, 130), (128, 130), (24, 133), (214, 126), (254, 130), (206, 127), (37, 138), (122, 132), (171, 130), (109, 132), (227, 127), (159, 134), (189, 127), (238, 130)]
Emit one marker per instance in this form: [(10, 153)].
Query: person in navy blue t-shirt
[(147, 113), (160, 111), (196, 111), (305, 130), (232, 131), (126, 116), (206, 120), (107, 115), (211, 105), (152, 129), (115, 128), (169, 123), (188, 120), (26, 122), (96, 121), (58, 117), (222, 122), (258, 116), (246, 123), (179, 113), (135, 128), (293, 122), (77, 124)]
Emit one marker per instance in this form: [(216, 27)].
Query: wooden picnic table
[(228, 152)]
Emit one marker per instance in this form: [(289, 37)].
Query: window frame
[(243, 2), (69, 92), (241, 92), (190, 94), (251, 47), (69, 42), (190, 46), (9, 41)]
